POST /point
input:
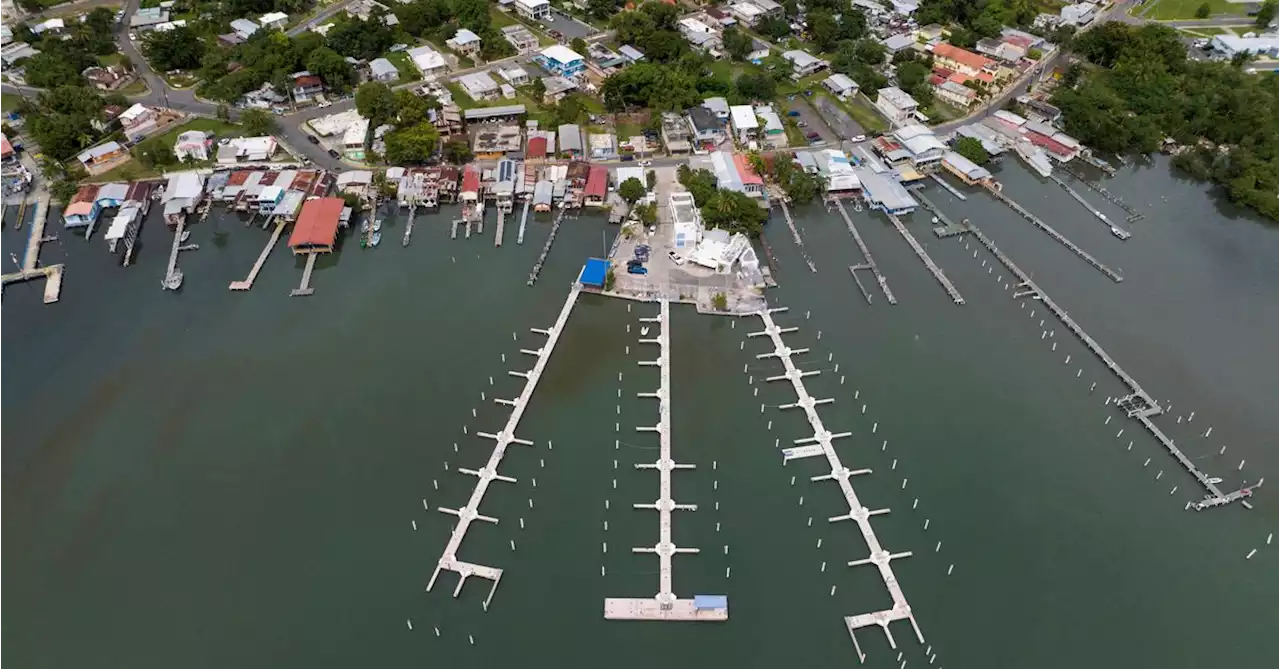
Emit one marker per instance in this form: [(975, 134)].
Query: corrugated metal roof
[(317, 223)]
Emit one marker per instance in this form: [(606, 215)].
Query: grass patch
[(500, 19), (860, 110), (1171, 10), (180, 80), (110, 59), (130, 171), (213, 126), (941, 112), (627, 129), (135, 87), (9, 102), (404, 64), (795, 136)]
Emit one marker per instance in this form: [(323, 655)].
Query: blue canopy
[(593, 272), (710, 602)]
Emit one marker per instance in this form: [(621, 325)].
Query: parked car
[(333, 154), (801, 124), (793, 112), (313, 139), (858, 138), (675, 258), (812, 135), (637, 269)]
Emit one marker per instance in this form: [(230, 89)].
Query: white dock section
[(858, 513), (304, 286), (172, 277), (928, 262), (869, 262), (31, 257), (524, 219), (449, 558), (795, 233), (665, 605), (262, 259), (942, 182), (1119, 232)]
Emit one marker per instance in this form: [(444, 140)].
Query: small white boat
[(644, 331), (186, 234), (364, 227), (377, 224), (375, 239)]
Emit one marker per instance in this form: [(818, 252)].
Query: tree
[(756, 86), (1202, 12), (578, 44), (47, 70), (537, 89), (737, 43), (610, 279), (457, 151), (223, 112), (631, 190), (972, 149), (869, 51), (154, 153), (720, 302), (1266, 14), (365, 40), (258, 122), (701, 184), (823, 29), (330, 66), (413, 109), (177, 49), (601, 9), (412, 145), (376, 102), (774, 26), (651, 179), (733, 211), (648, 213)]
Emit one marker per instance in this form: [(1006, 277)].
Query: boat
[(173, 281), (364, 227), (644, 331), (186, 234), (377, 224), (375, 239)]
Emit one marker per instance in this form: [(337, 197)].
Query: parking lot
[(836, 118), (567, 26), (812, 122)]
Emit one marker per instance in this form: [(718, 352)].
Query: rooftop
[(561, 54), (317, 223)]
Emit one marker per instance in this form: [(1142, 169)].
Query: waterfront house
[(464, 42), (182, 193), (896, 105), (316, 230), (561, 60), (883, 192), (966, 170), (83, 209), (192, 144), (533, 10), (542, 193), (470, 192), (103, 157), (925, 147), (597, 186), (381, 69)]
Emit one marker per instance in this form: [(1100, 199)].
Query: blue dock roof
[(593, 272), (710, 601)]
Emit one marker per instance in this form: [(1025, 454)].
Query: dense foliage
[(631, 190), (439, 20), (652, 29), (61, 61), (729, 210), (972, 149), (1145, 89), (61, 119)]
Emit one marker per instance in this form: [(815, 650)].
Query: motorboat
[(364, 227), (375, 239), (644, 331), (377, 224)]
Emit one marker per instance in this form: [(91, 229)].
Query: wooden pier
[(546, 248), (471, 512), (665, 605), (31, 255), (869, 262), (949, 228), (502, 226), (858, 512), (262, 259), (304, 287), (928, 262), (795, 233), (173, 275), (1057, 236), (1121, 233), (1134, 214), (524, 219), (1138, 404), (942, 182), (408, 227)]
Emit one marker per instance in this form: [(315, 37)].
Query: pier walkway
[(1122, 234), (173, 275), (1057, 236), (502, 226), (471, 512), (546, 248), (795, 232), (869, 263), (262, 259), (524, 219), (304, 287), (1134, 214), (31, 256), (858, 513), (928, 262), (949, 228), (1138, 404), (942, 182), (408, 226), (665, 605)]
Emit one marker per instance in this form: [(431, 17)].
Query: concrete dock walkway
[(262, 259), (471, 511), (858, 513)]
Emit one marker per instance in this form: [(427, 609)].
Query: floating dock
[(869, 262), (665, 605), (304, 287), (467, 514), (951, 189), (1057, 236), (31, 256), (858, 513), (1138, 404), (1134, 214), (502, 226), (524, 219), (949, 228), (928, 262), (262, 259), (408, 227), (1121, 233), (795, 233), (546, 248)]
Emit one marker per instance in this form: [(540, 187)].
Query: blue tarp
[(710, 602), (594, 272)]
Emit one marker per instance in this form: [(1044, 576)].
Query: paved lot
[(567, 26), (813, 123), (839, 121)]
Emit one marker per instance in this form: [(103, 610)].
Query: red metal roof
[(310, 81), (471, 180), (238, 178), (302, 179), (1049, 144), (538, 147), (317, 223), (6, 149), (139, 191), (745, 172), (1017, 40), (962, 56), (268, 178), (85, 194), (597, 181)]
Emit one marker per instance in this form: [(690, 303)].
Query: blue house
[(561, 60)]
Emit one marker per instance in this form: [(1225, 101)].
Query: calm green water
[(211, 479)]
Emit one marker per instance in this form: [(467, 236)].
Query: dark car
[(313, 139), (333, 154)]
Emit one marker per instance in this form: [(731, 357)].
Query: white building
[(746, 12), (479, 86), (686, 227), (1078, 14), (803, 63), (464, 42), (533, 9), (274, 20), (745, 125), (1230, 45), (246, 149), (245, 28), (841, 86), (514, 75), (192, 144), (896, 105), (924, 146), (427, 60), (381, 69)]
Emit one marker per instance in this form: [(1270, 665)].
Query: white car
[(324, 104), (858, 138), (675, 258), (645, 163)]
